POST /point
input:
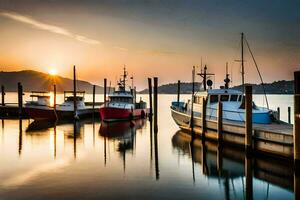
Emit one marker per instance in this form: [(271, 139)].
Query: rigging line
[(261, 79)]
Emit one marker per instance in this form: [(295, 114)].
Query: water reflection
[(91, 156), (230, 164), (123, 133)]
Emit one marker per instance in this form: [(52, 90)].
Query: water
[(41, 160)]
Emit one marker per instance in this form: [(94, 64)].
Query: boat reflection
[(123, 133), (228, 163)]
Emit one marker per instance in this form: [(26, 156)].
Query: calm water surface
[(90, 160)]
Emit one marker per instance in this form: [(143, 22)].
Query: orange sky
[(151, 39)]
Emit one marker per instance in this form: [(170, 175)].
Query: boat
[(38, 107), (122, 105), (66, 109), (233, 105)]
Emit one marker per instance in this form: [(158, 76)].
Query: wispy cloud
[(48, 27)]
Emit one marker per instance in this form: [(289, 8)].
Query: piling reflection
[(228, 164)]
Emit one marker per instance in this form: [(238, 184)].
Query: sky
[(152, 38)]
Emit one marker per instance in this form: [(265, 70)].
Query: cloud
[(48, 27)]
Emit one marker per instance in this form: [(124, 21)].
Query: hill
[(277, 87), (33, 80)]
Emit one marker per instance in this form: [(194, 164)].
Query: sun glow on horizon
[(53, 71)]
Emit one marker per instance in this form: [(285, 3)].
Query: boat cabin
[(216, 95), (69, 96), (40, 98), (121, 97)]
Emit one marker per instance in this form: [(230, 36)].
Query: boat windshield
[(121, 99), (71, 98)]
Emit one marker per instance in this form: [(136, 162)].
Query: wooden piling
[(134, 95), (220, 120), (289, 115), (248, 117), (94, 98), (278, 112), (74, 93), (2, 95), (296, 131), (150, 98), (54, 97), (178, 93), (296, 184), (20, 99), (192, 104), (249, 177), (203, 121), (105, 89), (155, 79)]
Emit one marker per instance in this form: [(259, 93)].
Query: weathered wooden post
[(94, 97), (289, 115), (74, 93), (278, 112), (248, 118), (220, 120), (203, 122), (150, 98), (20, 99), (134, 95), (20, 136), (297, 119), (192, 105), (94, 94), (249, 177), (54, 97), (155, 79), (105, 87), (178, 93), (2, 95), (296, 184)]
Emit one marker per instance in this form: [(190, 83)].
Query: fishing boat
[(66, 109), (233, 105), (122, 105), (38, 107)]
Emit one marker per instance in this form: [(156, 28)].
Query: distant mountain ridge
[(38, 81), (277, 87)]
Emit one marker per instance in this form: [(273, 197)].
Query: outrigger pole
[(204, 76)]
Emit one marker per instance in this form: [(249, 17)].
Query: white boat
[(233, 103), (38, 107)]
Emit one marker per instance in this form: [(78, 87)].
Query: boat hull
[(182, 119), (48, 113), (41, 113), (119, 114)]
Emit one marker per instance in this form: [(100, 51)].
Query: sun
[(53, 72)]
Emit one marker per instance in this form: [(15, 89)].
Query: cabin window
[(197, 99), (240, 98), (233, 97), (214, 98), (224, 97)]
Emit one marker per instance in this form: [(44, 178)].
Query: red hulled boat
[(122, 104)]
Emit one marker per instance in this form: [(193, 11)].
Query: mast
[(204, 76), (227, 80), (242, 60)]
